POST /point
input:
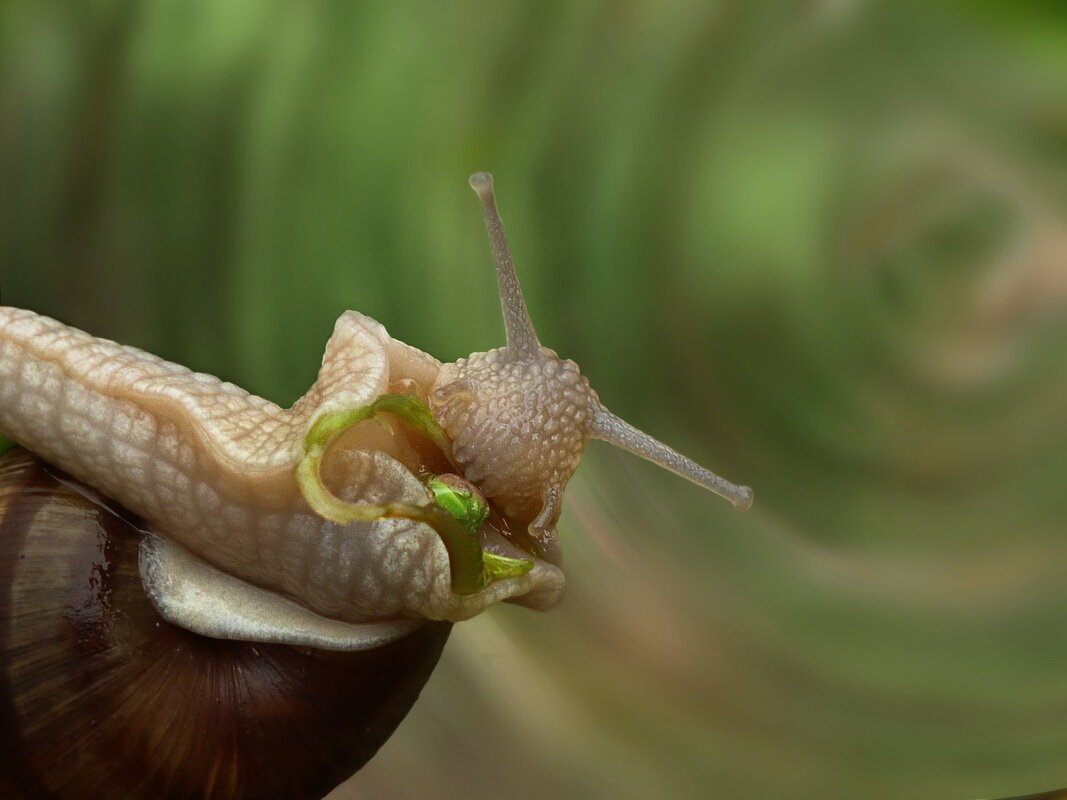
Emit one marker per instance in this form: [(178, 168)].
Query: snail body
[(100, 697), (314, 510), (218, 596)]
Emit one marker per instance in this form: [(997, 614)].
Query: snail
[(397, 496)]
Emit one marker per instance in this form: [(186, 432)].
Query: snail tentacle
[(518, 328), (619, 432)]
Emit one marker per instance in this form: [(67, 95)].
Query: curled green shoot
[(455, 515), (406, 407)]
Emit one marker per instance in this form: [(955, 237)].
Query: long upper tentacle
[(521, 336)]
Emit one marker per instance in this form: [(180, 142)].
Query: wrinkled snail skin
[(101, 698)]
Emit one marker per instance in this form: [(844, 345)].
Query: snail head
[(519, 416)]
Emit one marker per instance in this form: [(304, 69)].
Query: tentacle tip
[(743, 500), (482, 183)]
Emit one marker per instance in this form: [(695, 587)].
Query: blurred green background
[(819, 246)]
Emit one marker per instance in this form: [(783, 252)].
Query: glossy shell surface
[(99, 697)]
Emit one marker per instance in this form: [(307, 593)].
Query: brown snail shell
[(101, 698)]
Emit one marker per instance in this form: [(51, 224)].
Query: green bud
[(461, 499), (499, 567)]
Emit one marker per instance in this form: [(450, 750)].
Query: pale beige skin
[(212, 467)]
